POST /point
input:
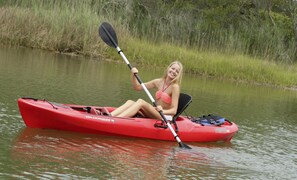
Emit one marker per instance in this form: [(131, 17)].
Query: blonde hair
[(178, 78)]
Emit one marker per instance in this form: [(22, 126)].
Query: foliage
[(222, 25), (262, 29), (244, 26)]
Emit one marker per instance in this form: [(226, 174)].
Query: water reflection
[(108, 157)]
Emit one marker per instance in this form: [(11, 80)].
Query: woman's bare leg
[(147, 109), (122, 108), (151, 112)]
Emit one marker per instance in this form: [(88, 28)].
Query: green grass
[(67, 31), (219, 65)]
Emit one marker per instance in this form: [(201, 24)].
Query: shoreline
[(294, 88), (38, 30)]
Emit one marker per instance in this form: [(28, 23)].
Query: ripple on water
[(10, 121), (268, 150)]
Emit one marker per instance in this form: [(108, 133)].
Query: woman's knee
[(130, 101), (141, 101)]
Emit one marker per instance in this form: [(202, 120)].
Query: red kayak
[(92, 119)]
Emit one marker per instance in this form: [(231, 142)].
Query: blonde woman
[(167, 95)]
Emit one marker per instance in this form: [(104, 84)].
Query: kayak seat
[(183, 102)]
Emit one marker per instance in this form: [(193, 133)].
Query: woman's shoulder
[(157, 80), (175, 85), (175, 88), (153, 83)]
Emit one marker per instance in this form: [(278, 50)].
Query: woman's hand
[(134, 70), (159, 108), (135, 82)]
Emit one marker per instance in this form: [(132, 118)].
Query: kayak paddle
[(108, 35)]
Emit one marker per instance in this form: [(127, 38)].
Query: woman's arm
[(137, 86)]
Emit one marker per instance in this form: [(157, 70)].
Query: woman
[(167, 95)]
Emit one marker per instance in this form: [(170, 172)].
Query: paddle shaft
[(115, 45), (148, 93)]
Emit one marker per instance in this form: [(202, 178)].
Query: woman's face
[(173, 71)]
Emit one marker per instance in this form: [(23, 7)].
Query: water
[(264, 147)]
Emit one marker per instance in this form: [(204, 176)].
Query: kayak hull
[(48, 115)]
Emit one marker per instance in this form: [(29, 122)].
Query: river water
[(264, 148)]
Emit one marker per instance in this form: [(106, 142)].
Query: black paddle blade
[(184, 146), (108, 35)]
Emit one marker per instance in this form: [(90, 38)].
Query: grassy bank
[(66, 30)]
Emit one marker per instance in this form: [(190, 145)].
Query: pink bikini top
[(163, 95)]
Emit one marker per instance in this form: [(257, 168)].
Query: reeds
[(153, 36)]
